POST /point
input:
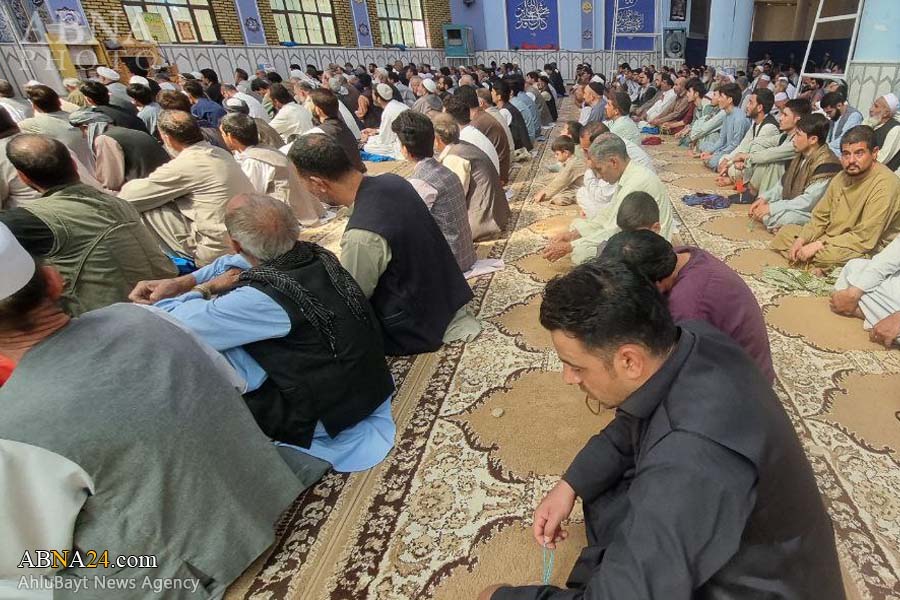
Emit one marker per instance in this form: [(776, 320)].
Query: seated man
[(501, 93), (561, 188), (618, 121), (269, 171), (438, 186), (858, 215), (267, 135), (734, 126), (487, 106), (291, 118), (98, 101), (804, 182), (383, 141), (608, 158), (486, 202), (50, 119), (97, 242), (202, 107), (870, 289), (638, 211), (705, 128), (488, 126), (699, 486), (698, 286), (843, 116), (184, 200), (120, 430), (393, 248), (762, 134), (119, 154), (764, 167), (459, 110), (326, 114), (298, 330), (883, 118), (596, 193)]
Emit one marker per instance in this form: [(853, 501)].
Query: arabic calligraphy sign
[(532, 24), (635, 16)]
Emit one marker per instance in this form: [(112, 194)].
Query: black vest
[(143, 154), (518, 128), (551, 104), (306, 383), (121, 117), (422, 287), (881, 137)]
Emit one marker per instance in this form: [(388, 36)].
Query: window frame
[(167, 5), (392, 26), (303, 14)]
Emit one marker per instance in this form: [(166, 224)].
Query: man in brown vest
[(489, 126), (269, 171)]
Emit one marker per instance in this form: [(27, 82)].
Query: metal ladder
[(656, 35), (812, 36)]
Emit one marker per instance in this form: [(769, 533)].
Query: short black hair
[(638, 211), (467, 94), (815, 124), (44, 160), (605, 304), (416, 133), (667, 79), (649, 253), (593, 130), (95, 91), (765, 98), (502, 88), (279, 92), (141, 93), (241, 127), (172, 100), (259, 84), (319, 155), (799, 106), (860, 133), (16, 310), (563, 144), (574, 128), (44, 98), (832, 99), (621, 101), (273, 77), (696, 86), (242, 74), (458, 109), (194, 89), (180, 126), (211, 75), (8, 127), (326, 101), (733, 91)]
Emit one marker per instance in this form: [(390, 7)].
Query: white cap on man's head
[(781, 97), (892, 101), (297, 74), (429, 85), (16, 265), (139, 80), (168, 86), (765, 77), (384, 91), (108, 73)]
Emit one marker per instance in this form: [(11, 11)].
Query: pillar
[(875, 65), (730, 23), (802, 19)]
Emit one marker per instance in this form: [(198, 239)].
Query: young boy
[(571, 129), (638, 211), (562, 187)]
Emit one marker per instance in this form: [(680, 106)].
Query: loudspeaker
[(674, 42)]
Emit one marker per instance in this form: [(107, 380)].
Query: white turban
[(781, 97), (17, 265), (139, 80), (108, 73), (430, 85), (297, 74), (892, 101), (384, 91)]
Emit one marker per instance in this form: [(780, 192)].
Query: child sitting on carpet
[(561, 188), (638, 211), (571, 129)]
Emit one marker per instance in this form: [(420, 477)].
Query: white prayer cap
[(297, 74), (17, 265), (139, 80), (783, 78), (31, 83), (197, 75), (169, 86), (426, 75), (892, 101), (781, 97), (384, 91), (430, 85), (108, 73), (765, 77), (596, 79), (71, 82)]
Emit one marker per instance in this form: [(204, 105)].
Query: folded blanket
[(650, 130), (696, 199), (653, 140), (368, 156)]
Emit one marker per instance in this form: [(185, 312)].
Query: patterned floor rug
[(485, 428)]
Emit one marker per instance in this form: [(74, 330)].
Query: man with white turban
[(887, 133), (118, 92), (383, 140)]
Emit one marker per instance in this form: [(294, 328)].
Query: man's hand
[(806, 253), (556, 250), (723, 167), (705, 155), (795, 249), (555, 508), (154, 290), (758, 209), (846, 302), (224, 283), (886, 330), (487, 592), (565, 236), (740, 157), (540, 196)]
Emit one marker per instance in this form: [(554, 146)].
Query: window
[(401, 22), (184, 21), (305, 21)]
